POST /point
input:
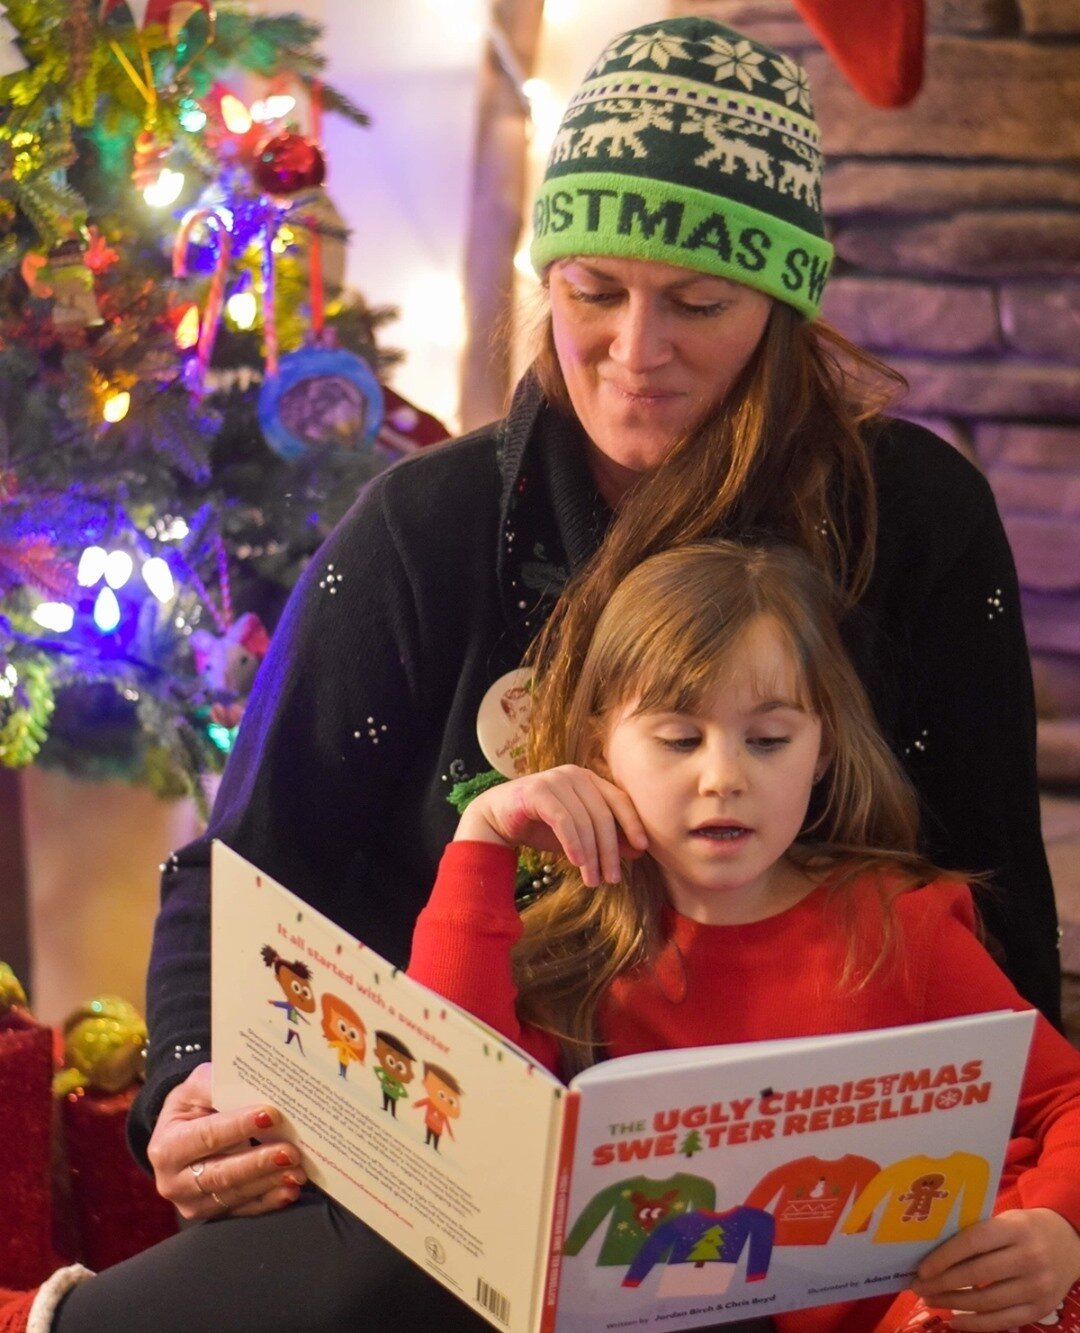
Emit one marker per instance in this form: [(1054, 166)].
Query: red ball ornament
[(287, 163)]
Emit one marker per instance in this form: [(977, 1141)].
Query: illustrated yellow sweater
[(920, 1194)]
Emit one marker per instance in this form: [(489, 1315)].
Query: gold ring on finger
[(219, 1200), (196, 1169)]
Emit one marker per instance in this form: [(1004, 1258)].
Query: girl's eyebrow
[(772, 705)]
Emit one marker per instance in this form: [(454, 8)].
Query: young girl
[(735, 855)]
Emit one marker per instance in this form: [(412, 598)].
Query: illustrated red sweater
[(807, 1197), (774, 978)]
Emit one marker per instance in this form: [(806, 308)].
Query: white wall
[(574, 33), (402, 185)]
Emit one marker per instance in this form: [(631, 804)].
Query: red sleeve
[(1042, 1167), (462, 941)]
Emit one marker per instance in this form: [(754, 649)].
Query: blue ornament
[(321, 398)]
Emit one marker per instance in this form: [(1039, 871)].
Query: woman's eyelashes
[(701, 311), (692, 309), (593, 298)]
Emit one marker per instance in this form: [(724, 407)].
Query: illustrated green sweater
[(636, 1206)]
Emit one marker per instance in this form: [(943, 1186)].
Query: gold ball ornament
[(104, 1047), (12, 995)]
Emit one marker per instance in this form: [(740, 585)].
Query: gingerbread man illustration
[(920, 1197)]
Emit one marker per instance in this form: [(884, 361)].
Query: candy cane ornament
[(218, 221)]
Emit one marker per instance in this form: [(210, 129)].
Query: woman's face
[(646, 349)]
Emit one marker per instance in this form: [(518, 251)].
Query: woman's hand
[(204, 1162), (567, 809), (1011, 1269)]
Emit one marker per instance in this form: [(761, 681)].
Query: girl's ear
[(595, 759), (825, 758), (597, 762)]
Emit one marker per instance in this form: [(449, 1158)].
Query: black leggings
[(311, 1268)]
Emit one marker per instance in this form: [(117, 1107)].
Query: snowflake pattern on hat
[(691, 144)]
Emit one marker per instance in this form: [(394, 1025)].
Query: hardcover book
[(676, 1189)]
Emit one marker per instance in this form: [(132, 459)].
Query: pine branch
[(55, 209), (335, 101), (129, 703), (35, 563)]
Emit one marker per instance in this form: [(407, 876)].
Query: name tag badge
[(502, 724)]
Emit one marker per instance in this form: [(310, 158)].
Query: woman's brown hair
[(785, 454), (661, 643)]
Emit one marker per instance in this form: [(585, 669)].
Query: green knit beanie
[(691, 144)]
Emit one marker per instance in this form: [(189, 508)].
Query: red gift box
[(26, 1256), (116, 1210)]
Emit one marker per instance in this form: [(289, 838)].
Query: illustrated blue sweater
[(708, 1237)]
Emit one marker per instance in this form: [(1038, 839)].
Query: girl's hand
[(204, 1162), (567, 809), (1011, 1269)]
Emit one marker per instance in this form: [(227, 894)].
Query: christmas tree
[(188, 398), (708, 1248)]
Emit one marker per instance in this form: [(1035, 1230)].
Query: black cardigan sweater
[(364, 712)]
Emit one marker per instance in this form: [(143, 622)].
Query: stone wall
[(956, 223)]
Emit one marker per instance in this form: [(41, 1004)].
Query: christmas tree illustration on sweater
[(808, 1196), (636, 1206), (701, 1251), (920, 1195)]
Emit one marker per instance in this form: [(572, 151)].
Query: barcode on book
[(493, 1301)]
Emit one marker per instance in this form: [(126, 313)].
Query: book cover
[(672, 1190)]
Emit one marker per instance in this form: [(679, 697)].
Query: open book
[(676, 1189)]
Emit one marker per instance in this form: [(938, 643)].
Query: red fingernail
[(264, 1119), (291, 1180), (282, 1158)]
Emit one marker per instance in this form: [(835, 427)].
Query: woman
[(682, 391)]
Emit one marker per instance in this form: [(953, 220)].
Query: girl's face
[(723, 791), (645, 349), (297, 991)]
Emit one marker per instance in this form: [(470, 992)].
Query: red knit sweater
[(774, 978)]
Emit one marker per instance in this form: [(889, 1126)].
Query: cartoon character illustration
[(395, 1069), (443, 1102), (344, 1031), (920, 1197), (295, 982), (516, 704), (648, 1210)]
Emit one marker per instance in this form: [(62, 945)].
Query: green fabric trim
[(530, 866), (462, 793), (630, 217)]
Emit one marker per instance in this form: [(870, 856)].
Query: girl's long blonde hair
[(661, 643)]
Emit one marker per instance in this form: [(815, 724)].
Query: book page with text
[(418, 1119)]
